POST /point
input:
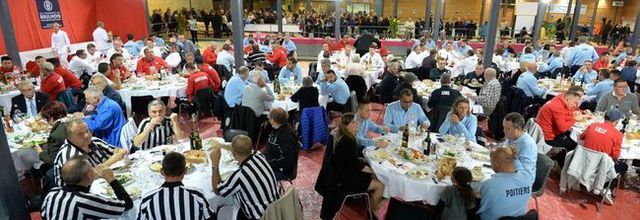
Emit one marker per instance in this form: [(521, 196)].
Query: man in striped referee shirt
[(157, 129), (80, 142), (73, 201), (173, 200), (253, 185)]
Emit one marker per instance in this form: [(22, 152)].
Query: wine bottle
[(192, 139), (625, 121), (427, 144), (276, 86), (198, 140)]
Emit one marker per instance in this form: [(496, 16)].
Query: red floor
[(574, 205)]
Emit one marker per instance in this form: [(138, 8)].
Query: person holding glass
[(157, 129), (460, 121)]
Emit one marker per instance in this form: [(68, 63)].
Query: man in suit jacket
[(29, 101)]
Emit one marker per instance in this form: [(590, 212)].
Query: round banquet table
[(25, 157), (175, 87), (199, 177), (398, 184), (289, 105), (630, 149)]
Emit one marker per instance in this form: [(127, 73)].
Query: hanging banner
[(49, 13), (562, 9)]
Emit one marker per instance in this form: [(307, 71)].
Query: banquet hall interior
[(320, 109)]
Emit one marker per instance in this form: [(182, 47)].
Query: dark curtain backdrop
[(79, 18)]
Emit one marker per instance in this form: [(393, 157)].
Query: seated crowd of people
[(81, 148)]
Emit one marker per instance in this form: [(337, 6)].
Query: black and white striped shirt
[(160, 135), (175, 201), (75, 202), (99, 151), (253, 186)]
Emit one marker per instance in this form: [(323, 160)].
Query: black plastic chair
[(402, 210), (231, 133), (543, 168)]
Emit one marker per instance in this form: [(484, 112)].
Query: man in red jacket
[(209, 54), (197, 80), (211, 72), (150, 64), (278, 57), (51, 83), (70, 79), (556, 118), (7, 69)]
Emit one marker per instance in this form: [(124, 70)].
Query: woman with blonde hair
[(460, 121)]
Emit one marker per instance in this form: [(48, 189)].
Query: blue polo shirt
[(504, 194), (527, 155), (286, 73), (339, 90), (585, 78), (582, 53), (364, 127), (233, 91), (395, 116), (467, 126), (529, 85)]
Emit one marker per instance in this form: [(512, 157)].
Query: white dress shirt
[(225, 58), (414, 60), (467, 65), (375, 60), (332, 58), (101, 39), (95, 58), (60, 42), (344, 58), (126, 56), (449, 56), (79, 66)]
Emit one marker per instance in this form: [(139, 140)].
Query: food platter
[(380, 155), (477, 174), (195, 156), (411, 155), (418, 173)]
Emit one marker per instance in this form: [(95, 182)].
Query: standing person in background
[(193, 29), (60, 44), (133, 47), (102, 39)]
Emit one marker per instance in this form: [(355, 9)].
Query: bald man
[(507, 192), (254, 170)]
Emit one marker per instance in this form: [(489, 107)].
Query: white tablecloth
[(289, 105), (410, 189), (147, 180), (24, 158), (175, 89)]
